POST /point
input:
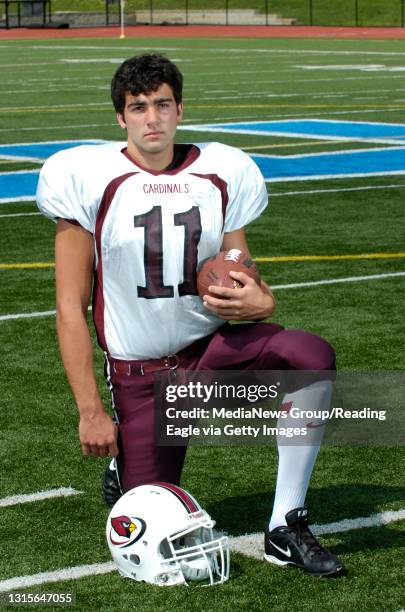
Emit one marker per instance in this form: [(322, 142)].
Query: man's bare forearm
[(77, 356), (97, 431), (74, 254)]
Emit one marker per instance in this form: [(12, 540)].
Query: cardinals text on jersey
[(151, 230)]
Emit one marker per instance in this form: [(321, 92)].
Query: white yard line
[(28, 214), (333, 281), (250, 545), (17, 158), (397, 147), (301, 135), (67, 573), (323, 177), (286, 52), (310, 191), (58, 127), (18, 199), (250, 127), (43, 107), (8, 172), (329, 281), (40, 143), (27, 315), (26, 498)]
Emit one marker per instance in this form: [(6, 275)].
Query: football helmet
[(159, 533)]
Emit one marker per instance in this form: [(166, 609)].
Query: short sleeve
[(61, 192), (247, 194)]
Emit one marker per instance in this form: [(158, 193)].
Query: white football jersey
[(151, 230)]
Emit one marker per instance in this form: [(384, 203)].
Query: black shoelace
[(306, 536)]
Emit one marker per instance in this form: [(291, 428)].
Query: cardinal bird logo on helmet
[(125, 530)]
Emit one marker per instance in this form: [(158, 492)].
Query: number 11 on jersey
[(154, 256)]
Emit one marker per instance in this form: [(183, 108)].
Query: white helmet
[(159, 533)]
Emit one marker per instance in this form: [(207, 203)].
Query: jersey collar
[(184, 156)]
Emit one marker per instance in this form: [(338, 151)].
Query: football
[(215, 270)]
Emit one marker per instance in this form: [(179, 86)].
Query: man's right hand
[(98, 435), (74, 258)]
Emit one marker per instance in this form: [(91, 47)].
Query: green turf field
[(46, 96)]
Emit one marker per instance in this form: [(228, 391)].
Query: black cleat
[(111, 486), (295, 545)]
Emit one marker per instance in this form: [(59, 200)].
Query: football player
[(134, 219)]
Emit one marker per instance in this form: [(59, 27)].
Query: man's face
[(151, 121)]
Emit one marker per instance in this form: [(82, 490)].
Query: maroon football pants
[(257, 346)]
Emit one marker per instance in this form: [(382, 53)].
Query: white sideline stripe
[(17, 199), (19, 172), (39, 143), (4, 109), (250, 545), (27, 498), (331, 281), (327, 153), (68, 573), (309, 191), (323, 177), (31, 214), (57, 127), (17, 158), (27, 315), (302, 135)]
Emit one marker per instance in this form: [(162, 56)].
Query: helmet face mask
[(159, 534), (199, 553)]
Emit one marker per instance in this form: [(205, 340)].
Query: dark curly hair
[(144, 74)]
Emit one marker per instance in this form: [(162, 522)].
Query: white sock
[(296, 462)]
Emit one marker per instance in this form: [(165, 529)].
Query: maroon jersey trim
[(98, 290), (181, 495), (219, 184), (190, 154)]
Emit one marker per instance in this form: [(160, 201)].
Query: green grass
[(43, 98), (369, 12)]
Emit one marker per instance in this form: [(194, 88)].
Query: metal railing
[(18, 10)]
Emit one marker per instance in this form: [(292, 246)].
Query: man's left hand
[(248, 303)]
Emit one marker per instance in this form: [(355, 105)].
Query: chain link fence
[(87, 13)]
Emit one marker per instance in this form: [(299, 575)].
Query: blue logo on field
[(385, 158), (318, 129), (378, 161), (18, 186), (21, 186), (39, 151), (369, 162)]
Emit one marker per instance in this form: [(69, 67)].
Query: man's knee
[(303, 350)]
